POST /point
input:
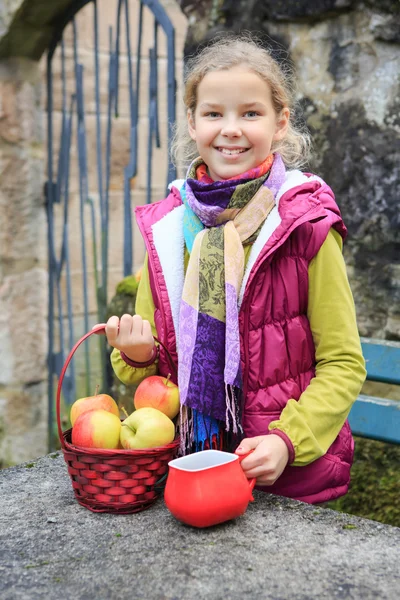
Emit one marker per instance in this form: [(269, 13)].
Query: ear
[(282, 124), (191, 124)]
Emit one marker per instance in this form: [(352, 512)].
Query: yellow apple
[(146, 428), (103, 401), (97, 429), (159, 393)]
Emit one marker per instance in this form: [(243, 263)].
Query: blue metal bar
[(376, 418), (69, 378), (129, 171), (133, 100), (100, 308), (152, 118), (382, 360), (171, 83), (155, 67), (137, 89), (83, 190), (110, 105), (50, 245), (65, 143), (117, 36)]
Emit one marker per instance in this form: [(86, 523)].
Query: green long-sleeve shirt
[(312, 422)]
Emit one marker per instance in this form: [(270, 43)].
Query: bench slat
[(382, 360), (376, 418)]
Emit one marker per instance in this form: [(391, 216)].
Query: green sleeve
[(313, 422), (145, 308)]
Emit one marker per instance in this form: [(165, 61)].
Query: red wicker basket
[(114, 481)]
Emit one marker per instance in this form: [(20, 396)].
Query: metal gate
[(79, 247)]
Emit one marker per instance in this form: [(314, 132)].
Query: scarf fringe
[(232, 428), (186, 430), (231, 416)]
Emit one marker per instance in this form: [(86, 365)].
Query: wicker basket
[(114, 481)]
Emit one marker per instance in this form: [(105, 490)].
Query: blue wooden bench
[(378, 418)]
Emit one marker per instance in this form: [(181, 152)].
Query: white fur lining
[(271, 223), (170, 245), (178, 183), (293, 179)]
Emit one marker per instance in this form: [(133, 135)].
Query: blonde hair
[(245, 49)]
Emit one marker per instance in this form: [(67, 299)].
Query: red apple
[(146, 428), (103, 401), (97, 429), (159, 393)]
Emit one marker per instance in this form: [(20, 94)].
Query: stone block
[(23, 219), (23, 422), (20, 98), (23, 310)]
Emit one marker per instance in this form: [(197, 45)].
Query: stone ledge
[(279, 549)]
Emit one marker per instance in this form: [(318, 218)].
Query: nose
[(231, 128)]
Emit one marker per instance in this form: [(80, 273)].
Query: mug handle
[(252, 482)]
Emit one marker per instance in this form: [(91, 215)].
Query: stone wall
[(23, 265), (26, 27), (346, 57)]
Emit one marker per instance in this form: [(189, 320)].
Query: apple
[(146, 428), (159, 393), (103, 401), (97, 429)]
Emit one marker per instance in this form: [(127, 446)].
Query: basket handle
[(96, 329)]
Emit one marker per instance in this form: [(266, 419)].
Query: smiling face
[(234, 123)]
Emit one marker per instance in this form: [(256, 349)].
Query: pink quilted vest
[(277, 350)]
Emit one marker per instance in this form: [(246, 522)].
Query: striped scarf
[(220, 217)]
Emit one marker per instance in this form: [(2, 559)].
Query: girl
[(245, 284)]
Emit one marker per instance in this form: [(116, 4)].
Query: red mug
[(207, 488)]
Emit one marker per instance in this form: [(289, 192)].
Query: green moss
[(41, 564), (375, 483), (128, 286)]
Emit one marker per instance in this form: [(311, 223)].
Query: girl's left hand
[(268, 460)]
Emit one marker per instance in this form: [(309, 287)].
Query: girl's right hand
[(131, 335)]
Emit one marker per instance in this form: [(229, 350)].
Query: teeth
[(236, 151)]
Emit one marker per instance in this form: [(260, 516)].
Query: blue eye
[(252, 113)]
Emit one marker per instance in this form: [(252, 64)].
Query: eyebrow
[(209, 105), (252, 104), (246, 105)]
